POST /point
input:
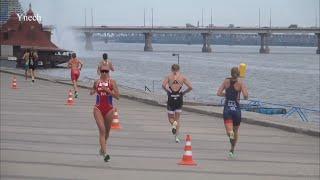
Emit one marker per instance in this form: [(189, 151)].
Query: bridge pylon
[(318, 38), (206, 42), (148, 41), (264, 43), (88, 44)]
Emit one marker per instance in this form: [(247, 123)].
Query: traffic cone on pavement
[(115, 121), (14, 83), (70, 99), (187, 156)]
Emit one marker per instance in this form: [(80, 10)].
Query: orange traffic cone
[(14, 83), (70, 99), (115, 121), (187, 156)]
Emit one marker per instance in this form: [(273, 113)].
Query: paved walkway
[(41, 138)]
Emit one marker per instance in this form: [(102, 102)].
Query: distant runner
[(33, 62), (231, 89), (173, 84), (75, 65), (105, 61)]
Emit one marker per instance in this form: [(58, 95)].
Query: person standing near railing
[(231, 88), (173, 84)]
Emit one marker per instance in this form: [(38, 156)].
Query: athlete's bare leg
[(177, 118), (102, 128), (108, 121), (26, 74), (230, 132), (75, 85), (32, 74), (236, 137), (173, 122)]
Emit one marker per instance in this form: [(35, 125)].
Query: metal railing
[(301, 111), (146, 87)]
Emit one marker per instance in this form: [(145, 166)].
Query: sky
[(177, 12)]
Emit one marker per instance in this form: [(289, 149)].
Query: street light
[(174, 54)]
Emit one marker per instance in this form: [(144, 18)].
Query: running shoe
[(231, 154), (76, 95), (174, 127), (106, 158), (177, 139)]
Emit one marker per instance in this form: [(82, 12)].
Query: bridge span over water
[(206, 33)]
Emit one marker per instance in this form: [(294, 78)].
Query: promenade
[(42, 138)]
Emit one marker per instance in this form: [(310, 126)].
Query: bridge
[(206, 33)]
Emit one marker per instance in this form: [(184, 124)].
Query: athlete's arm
[(93, 90), (98, 68), (81, 64), (69, 64), (221, 89), (35, 54), (24, 56), (244, 91), (111, 66), (188, 84), (165, 84), (115, 92)]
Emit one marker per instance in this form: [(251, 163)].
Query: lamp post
[(174, 54)]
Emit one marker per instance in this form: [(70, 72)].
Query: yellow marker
[(243, 70)]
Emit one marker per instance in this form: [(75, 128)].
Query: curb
[(284, 127)]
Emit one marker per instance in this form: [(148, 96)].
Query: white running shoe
[(177, 139), (231, 155)]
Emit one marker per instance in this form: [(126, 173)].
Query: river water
[(288, 75)]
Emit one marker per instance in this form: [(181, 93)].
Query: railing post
[(146, 88), (153, 86)]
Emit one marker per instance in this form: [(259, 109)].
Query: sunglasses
[(104, 71)]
